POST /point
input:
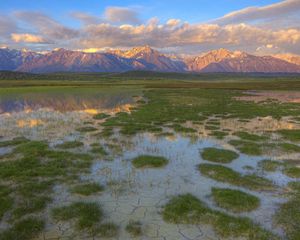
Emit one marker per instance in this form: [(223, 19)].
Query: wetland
[(150, 159)]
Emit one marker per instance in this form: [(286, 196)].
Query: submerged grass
[(218, 155), (270, 165), (187, 209), (247, 147), (134, 228), (225, 174), (235, 200), (87, 189), (70, 144), (148, 161)]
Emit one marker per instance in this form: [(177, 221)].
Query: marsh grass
[(235, 200), (288, 215), (31, 205), (218, 134), (25, 229), (86, 215), (219, 155), (14, 142), (101, 116), (290, 134), (289, 147), (87, 189), (270, 165), (6, 204), (187, 209), (148, 161), (98, 149), (86, 129), (247, 147), (134, 228), (225, 174), (106, 230), (70, 144), (293, 172), (250, 137)]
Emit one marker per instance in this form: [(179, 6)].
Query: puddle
[(140, 194)]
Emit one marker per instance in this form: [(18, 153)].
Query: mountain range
[(144, 58)]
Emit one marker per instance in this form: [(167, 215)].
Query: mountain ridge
[(143, 58)]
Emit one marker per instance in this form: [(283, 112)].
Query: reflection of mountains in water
[(64, 103)]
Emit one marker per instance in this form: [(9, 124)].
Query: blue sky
[(180, 26), (186, 10)]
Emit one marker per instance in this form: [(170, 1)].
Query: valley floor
[(142, 159)]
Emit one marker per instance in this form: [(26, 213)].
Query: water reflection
[(71, 99)]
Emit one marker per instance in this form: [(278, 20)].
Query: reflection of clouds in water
[(29, 123), (65, 102)]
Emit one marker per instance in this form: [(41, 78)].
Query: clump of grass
[(218, 134), (31, 188), (290, 134), (87, 129), (107, 230), (235, 200), (148, 161), (70, 144), (181, 129), (246, 147), (212, 127), (6, 205), (25, 229), (98, 149), (225, 174), (288, 215), (134, 228), (87, 215), (100, 116), (250, 137), (31, 205), (289, 147), (293, 172), (187, 209), (87, 189), (14, 142), (218, 155), (270, 165)]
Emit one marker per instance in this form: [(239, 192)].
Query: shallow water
[(135, 194)]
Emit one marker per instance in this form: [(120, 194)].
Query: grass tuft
[(219, 155), (225, 174), (87, 215), (147, 161), (134, 228), (187, 209), (87, 189), (25, 229), (234, 200)]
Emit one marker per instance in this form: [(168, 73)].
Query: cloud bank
[(120, 27)]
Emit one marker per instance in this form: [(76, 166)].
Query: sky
[(262, 27)]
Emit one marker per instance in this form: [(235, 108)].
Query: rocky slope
[(141, 58)]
